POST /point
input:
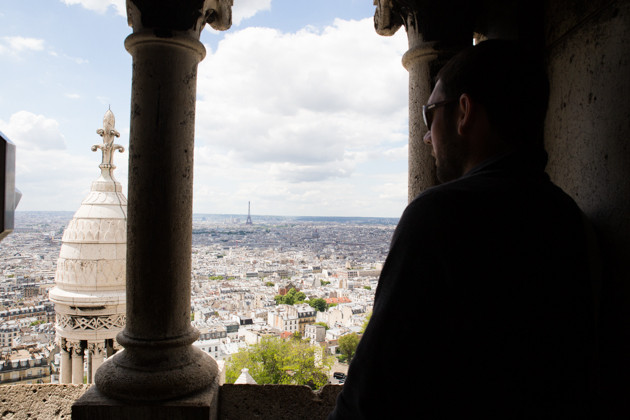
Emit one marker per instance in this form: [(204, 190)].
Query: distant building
[(212, 332), (43, 311), (283, 319), (305, 314), (214, 347), (283, 290), (337, 300), (315, 333), (25, 366), (89, 295), (9, 332)]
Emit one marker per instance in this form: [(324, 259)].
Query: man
[(484, 307)]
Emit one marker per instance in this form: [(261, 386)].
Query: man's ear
[(466, 108)]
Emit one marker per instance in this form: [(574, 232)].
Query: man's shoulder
[(443, 194), (432, 206)]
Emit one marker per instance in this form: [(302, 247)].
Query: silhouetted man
[(484, 308)]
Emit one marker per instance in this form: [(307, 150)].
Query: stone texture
[(276, 402), (40, 402), (94, 405), (236, 402), (587, 131)]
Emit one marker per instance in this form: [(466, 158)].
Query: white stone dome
[(92, 261)]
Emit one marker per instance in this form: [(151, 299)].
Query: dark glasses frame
[(428, 109)]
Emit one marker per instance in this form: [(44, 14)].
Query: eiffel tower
[(249, 216)]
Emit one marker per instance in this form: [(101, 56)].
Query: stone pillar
[(98, 355), (77, 361), (436, 31), (88, 365), (159, 366), (65, 363)]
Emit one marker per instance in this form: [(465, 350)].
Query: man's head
[(490, 98)]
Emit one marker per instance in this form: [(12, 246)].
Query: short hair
[(509, 80)]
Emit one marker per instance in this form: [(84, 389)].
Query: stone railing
[(53, 401)]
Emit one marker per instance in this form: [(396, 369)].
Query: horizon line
[(233, 214)]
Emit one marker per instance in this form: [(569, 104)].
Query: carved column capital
[(96, 348), (388, 17), (63, 345), (74, 347), (165, 17), (446, 21)]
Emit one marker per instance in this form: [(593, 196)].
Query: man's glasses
[(429, 109)]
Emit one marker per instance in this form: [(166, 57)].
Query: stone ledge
[(41, 402), (236, 402), (276, 402)]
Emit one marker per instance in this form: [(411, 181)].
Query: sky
[(301, 107)]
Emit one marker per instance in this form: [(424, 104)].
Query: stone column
[(436, 31), (77, 361), (65, 363), (159, 362), (88, 364), (96, 354)]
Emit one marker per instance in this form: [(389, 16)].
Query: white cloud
[(18, 46), (15, 45), (50, 176), (54, 179), (306, 97), (244, 9), (397, 153), (293, 115), (33, 132), (100, 6)]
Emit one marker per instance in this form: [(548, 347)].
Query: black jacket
[(484, 307)]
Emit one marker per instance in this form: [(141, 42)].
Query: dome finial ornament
[(108, 132)]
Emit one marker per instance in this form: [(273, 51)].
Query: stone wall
[(41, 402), (236, 402), (587, 136)]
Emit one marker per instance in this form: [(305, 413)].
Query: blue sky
[(301, 106)]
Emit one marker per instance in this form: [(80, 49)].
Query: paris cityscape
[(239, 264)]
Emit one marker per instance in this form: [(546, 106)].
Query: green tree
[(319, 304), (348, 345), (291, 298), (274, 361)]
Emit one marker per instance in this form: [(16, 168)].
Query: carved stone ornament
[(108, 132), (165, 17), (386, 19), (91, 323), (97, 349), (74, 347), (220, 15), (87, 274), (63, 345)]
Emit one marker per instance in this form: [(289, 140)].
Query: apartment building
[(25, 366)]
